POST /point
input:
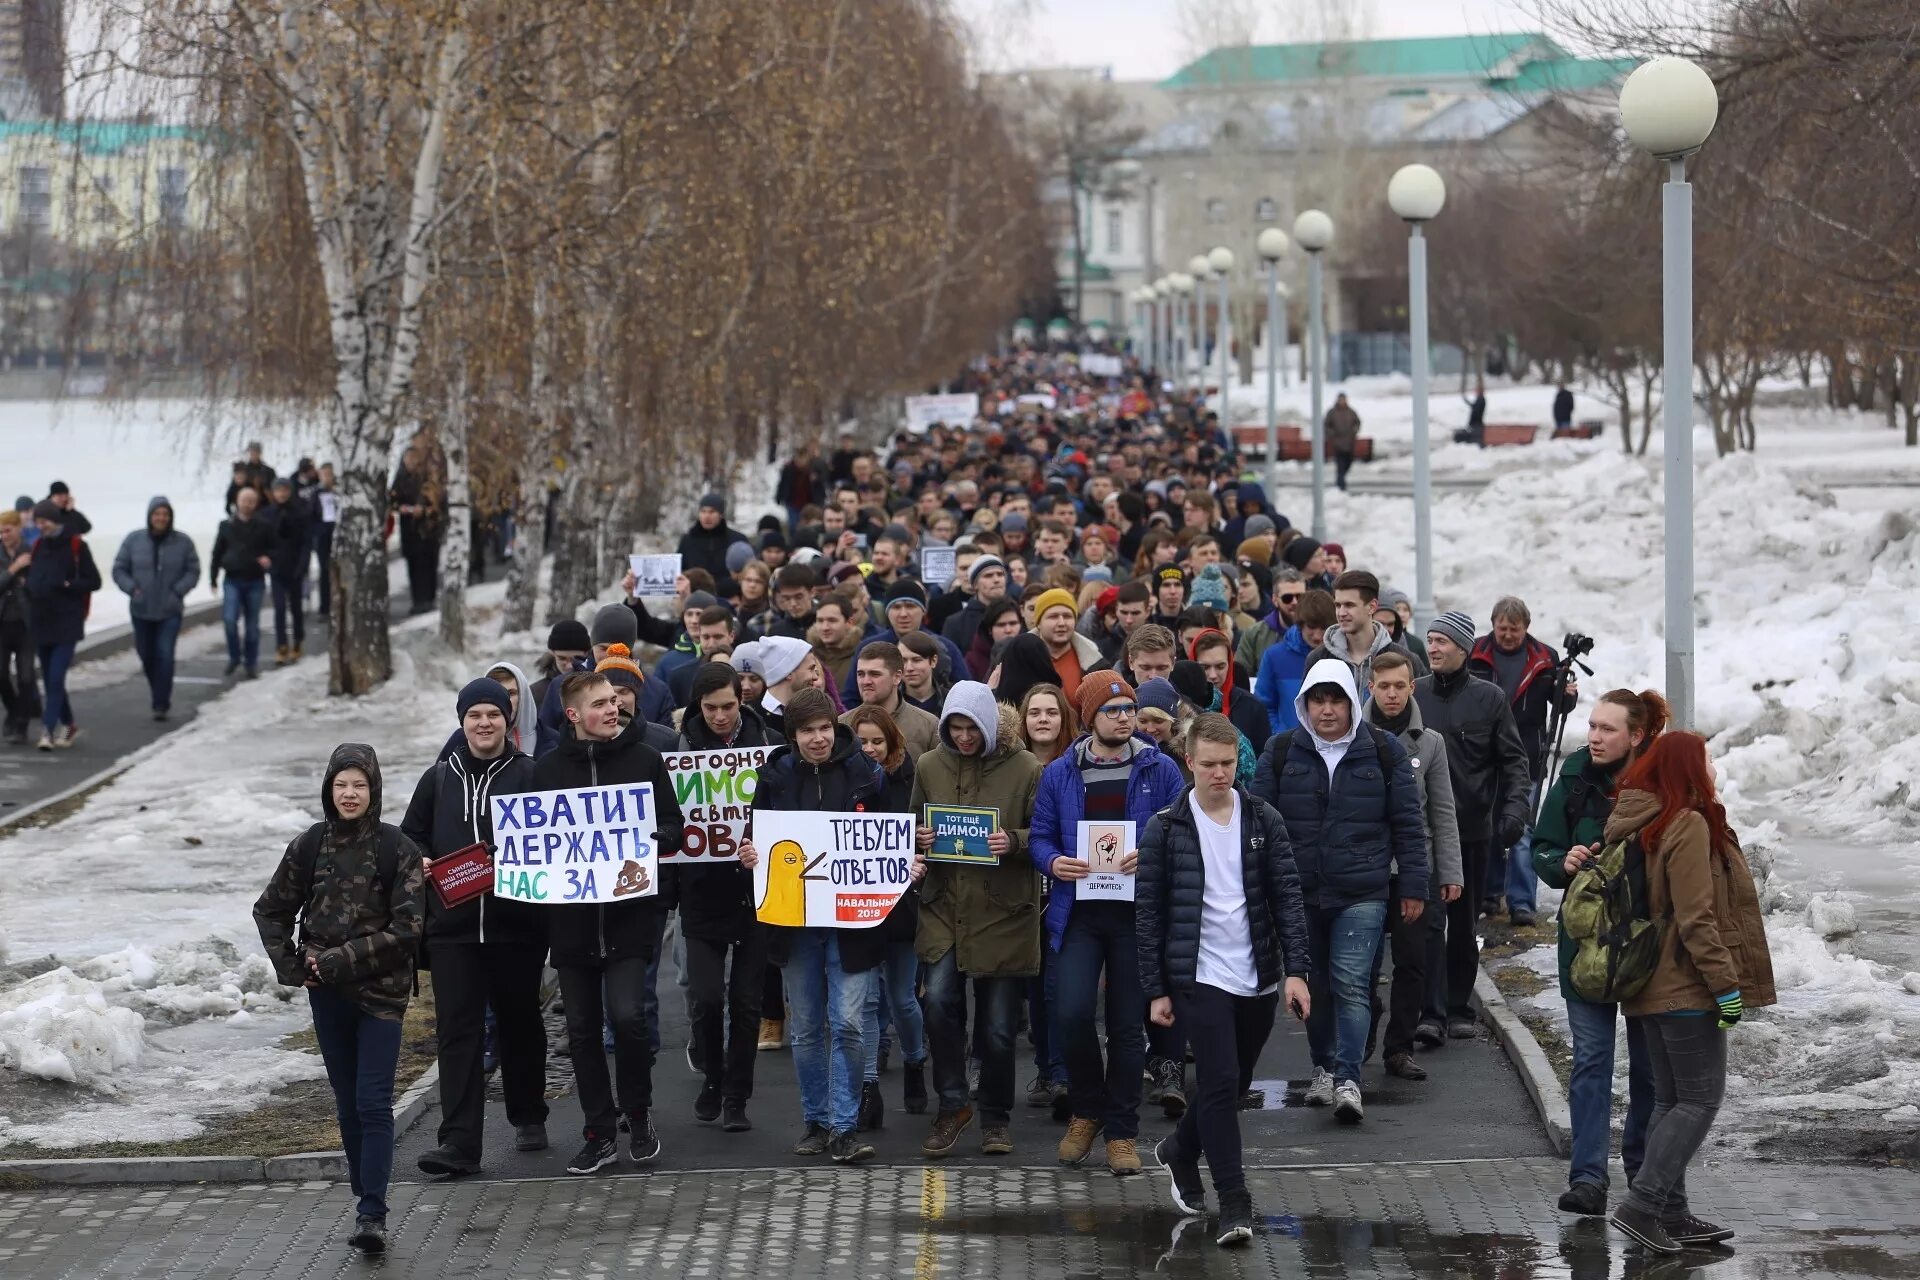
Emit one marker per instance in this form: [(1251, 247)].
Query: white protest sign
[(936, 567), (587, 844), (1100, 366), (1101, 845), (715, 790), (654, 575), (830, 870), (954, 410), (1038, 397)]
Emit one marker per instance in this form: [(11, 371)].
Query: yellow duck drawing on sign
[(785, 902)]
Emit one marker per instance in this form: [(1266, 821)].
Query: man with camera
[(1537, 686)]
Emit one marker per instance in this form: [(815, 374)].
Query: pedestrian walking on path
[(243, 551), (61, 580), (156, 567)]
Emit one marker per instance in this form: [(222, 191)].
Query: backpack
[(1617, 947)]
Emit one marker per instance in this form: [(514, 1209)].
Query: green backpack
[(1605, 913)]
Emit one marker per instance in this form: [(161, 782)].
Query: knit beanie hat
[(1169, 573), (983, 564), (484, 693), (715, 501), (615, 624), (738, 553), (780, 656), (906, 589), (1054, 598), (1013, 522), (1097, 690), (1190, 680), (1257, 525), (1210, 588), (1456, 626), (1299, 551), (1158, 694), (570, 636), (619, 658), (700, 600)]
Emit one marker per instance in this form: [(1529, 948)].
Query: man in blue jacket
[(1352, 807), (1108, 775), (1284, 664)]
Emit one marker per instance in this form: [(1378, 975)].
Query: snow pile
[(59, 1026), (184, 982)]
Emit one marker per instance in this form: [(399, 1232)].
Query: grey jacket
[(156, 574), (1428, 751)]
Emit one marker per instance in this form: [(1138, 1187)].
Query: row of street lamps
[(1668, 107)]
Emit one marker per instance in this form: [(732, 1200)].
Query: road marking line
[(933, 1207)]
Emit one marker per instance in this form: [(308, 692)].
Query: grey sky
[(1147, 39)]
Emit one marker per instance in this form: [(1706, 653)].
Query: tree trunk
[(358, 646), (457, 547), (1910, 398), (1079, 255)]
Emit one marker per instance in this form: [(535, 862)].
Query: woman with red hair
[(1713, 966)]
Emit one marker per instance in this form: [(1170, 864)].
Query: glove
[(1511, 829), (1730, 1009)]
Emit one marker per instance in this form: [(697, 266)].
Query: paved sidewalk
[(1492, 1218)]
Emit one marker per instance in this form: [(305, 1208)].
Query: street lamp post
[(1163, 324), (1417, 195), (1182, 285), (1272, 246), (1669, 108), (1313, 231), (1221, 260), (1202, 271)]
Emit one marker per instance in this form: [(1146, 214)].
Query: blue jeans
[(361, 1052), (154, 642), (892, 989), (996, 1012), (55, 709), (240, 603), (1342, 942), (1041, 993), (1100, 936), (826, 1005), (1522, 888), (1590, 1092)]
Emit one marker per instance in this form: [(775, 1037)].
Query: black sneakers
[(530, 1137), (813, 1142), (1236, 1219), (1189, 1194), (706, 1107), (848, 1147), (873, 1108), (369, 1235), (1588, 1199), (915, 1074), (447, 1162), (643, 1144), (1691, 1230), (1645, 1228), (733, 1116), (596, 1155), (1172, 1082)]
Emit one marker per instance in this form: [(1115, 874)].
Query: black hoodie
[(593, 934), (451, 809), (715, 899)]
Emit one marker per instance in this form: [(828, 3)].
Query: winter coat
[(1169, 895), (715, 899), (1251, 650), (60, 579), (13, 587), (450, 810), (1484, 753), (962, 627), (595, 934), (1342, 426), (1716, 939), (846, 782), (292, 523), (237, 549), (988, 916), (1060, 805), (702, 548), (363, 934), (1575, 812), (850, 691), (156, 573), (1335, 645), (1534, 701), (1282, 667), (655, 706), (1428, 752), (1350, 831)]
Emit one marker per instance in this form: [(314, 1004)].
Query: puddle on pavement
[(1112, 1242)]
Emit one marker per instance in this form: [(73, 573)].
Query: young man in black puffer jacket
[(1221, 928), (608, 945)]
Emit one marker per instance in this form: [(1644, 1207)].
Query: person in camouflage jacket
[(342, 917)]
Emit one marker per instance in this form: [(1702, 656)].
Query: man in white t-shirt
[(1221, 929)]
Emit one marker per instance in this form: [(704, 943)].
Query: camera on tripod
[(1572, 649), (1576, 646)]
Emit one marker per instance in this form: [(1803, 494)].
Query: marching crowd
[(1073, 608)]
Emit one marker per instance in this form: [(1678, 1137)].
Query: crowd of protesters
[(1073, 608)]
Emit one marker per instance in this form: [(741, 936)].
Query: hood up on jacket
[(352, 755), (526, 725), (1338, 674), (975, 701)]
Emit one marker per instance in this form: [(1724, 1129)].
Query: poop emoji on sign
[(632, 880), (786, 900)]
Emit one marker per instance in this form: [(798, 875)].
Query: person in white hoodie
[(1352, 809)]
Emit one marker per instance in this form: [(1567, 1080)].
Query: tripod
[(1557, 722)]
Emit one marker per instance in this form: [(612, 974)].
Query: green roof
[(99, 137), (1425, 58), (1568, 75)]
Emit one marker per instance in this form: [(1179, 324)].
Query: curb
[(90, 782), (1536, 1073)]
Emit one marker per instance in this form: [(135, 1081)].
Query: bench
[(1251, 438), (1503, 433), (1591, 429), (1301, 450)]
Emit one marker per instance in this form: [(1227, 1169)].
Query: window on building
[(1265, 210), (1216, 210), (36, 196), (173, 197), (1114, 229)]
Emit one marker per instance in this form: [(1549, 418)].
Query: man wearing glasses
[(1263, 635), (1108, 775)]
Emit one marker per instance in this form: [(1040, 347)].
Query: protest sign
[(936, 567), (1101, 845), (960, 833), (1040, 398), (587, 844), (830, 870), (1100, 366), (954, 410), (715, 790), (654, 575), (461, 876)]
